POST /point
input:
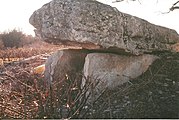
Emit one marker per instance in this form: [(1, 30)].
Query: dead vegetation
[(18, 82), (27, 51), (155, 94), (23, 94)]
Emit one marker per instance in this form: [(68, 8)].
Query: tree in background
[(15, 39), (28, 39), (12, 38)]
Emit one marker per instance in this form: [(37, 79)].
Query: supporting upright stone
[(64, 63), (112, 70)]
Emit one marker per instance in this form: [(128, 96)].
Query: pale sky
[(16, 13)]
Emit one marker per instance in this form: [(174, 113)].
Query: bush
[(28, 39), (12, 38)]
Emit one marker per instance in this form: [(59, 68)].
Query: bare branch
[(174, 7), (175, 3), (124, 0), (117, 1)]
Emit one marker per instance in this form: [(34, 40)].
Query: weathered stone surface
[(113, 70), (175, 47), (62, 63), (1, 44), (104, 27)]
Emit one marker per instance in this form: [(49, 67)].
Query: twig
[(12, 78), (12, 110)]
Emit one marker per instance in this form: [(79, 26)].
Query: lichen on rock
[(89, 21)]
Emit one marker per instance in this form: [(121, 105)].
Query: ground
[(17, 79), (23, 94)]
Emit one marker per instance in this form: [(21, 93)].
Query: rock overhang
[(86, 22)]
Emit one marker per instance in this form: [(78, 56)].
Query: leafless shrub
[(25, 95), (153, 95)]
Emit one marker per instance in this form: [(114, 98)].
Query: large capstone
[(93, 25)]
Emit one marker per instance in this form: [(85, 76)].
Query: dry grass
[(24, 94), (155, 94), (27, 51), (18, 84)]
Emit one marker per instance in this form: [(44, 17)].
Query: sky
[(16, 13)]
